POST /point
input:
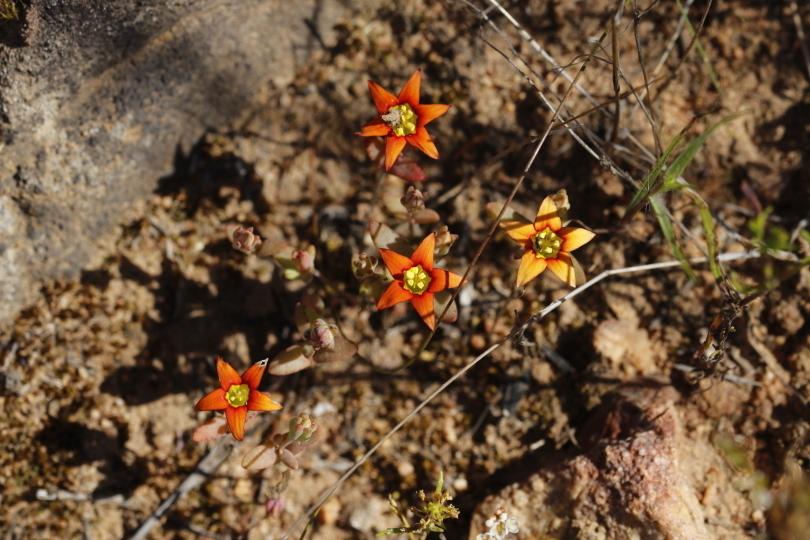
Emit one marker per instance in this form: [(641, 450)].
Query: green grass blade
[(669, 235), (683, 159), (711, 238), (649, 185)]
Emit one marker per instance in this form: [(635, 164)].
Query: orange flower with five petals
[(238, 395), (548, 245), (416, 280), (402, 119)]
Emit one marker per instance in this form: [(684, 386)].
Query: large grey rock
[(97, 96)]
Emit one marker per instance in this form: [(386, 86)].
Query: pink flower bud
[(413, 199), (321, 335), (274, 507), (245, 240), (304, 260)]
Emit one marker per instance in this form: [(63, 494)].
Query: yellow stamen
[(238, 395), (401, 119), (415, 280), (546, 244)]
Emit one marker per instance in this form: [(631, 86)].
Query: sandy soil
[(100, 376)]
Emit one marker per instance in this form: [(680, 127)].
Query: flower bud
[(413, 199), (304, 260), (301, 428), (444, 241), (321, 335), (274, 507), (561, 201), (363, 265), (244, 239)]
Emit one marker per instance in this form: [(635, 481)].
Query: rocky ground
[(591, 426)]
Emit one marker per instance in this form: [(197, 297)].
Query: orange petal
[(428, 113), (375, 128), (547, 216), (215, 401), (421, 140), (253, 376), (383, 99), (227, 375), (236, 417), (410, 92), (563, 268), (574, 237), (395, 262), (394, 294), (261, 402), (519, 231), (530, 267), (579, 273), (424, 253), (424, 307), (441, 279), (393, 147)]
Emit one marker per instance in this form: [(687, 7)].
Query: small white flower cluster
[(500, 524)]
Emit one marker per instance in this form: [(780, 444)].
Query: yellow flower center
[(415, 279), (546, 244), (401, 119), (238, 395)]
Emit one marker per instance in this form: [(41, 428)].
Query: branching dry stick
[(616, 64), (543, 97), (667, 51), (550, 59), (518, 330), (637, 15)]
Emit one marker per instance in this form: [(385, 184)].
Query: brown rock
[(636, 480)]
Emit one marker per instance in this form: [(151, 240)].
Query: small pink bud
[(245, 240), (274, 507), (413, 199), (304, 260), (321, 335)]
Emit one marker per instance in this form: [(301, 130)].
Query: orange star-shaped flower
[(415, 280), (548, 245), (402, 119), (238, 395)]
